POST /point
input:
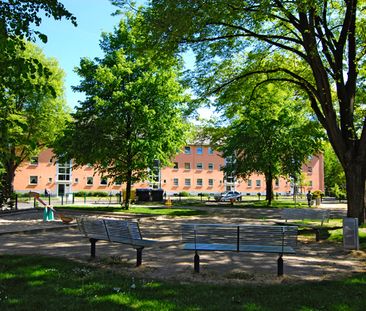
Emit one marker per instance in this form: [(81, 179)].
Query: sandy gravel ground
[(25, 233)]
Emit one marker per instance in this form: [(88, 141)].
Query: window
[(210, 166), (310, 169), (175, 182), (249, 182), (89, 180), (230, 179), (310, 183), (257, 183), (187, 150), (187, 166), (103, 181), (117, 182), (175, 165), (199, 182), (199, 150), (277, 182), (210, 182), (64, 171), (210, 150), (33, 180), (34, 161), (76, 180), (187, 182), (49, 179), (199, 166)]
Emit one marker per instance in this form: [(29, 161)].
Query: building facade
[(198, 169)]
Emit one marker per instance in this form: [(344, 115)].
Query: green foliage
[(132, 115), (184, 194), (91, 194), (32, 113), (274, 136), (19, 22), (305, 44), (339, 193), (333, 171), (317, 194)]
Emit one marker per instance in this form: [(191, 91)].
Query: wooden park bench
[(240, 238), (113, 230), (311, 214)]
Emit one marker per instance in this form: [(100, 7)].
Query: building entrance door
[(61, 190)]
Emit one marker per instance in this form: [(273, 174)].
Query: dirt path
[(166, 260)]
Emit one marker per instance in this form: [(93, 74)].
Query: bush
[(317, 194), (91, 194), (339, 193), (184, 194)]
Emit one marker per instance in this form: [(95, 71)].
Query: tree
[(273, 137), (333, 171), (18, 22), (132, 113), (32, 112), (315, 45)]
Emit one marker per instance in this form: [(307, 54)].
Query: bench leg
[(138, 256), (196, 263), (280, 266), (92, 247), (317, 235)]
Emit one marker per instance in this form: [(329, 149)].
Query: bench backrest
[(321, 215), (114, 230), (92, 228), (240, 234), (122, 231)]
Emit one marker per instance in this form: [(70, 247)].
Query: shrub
[(317, 194), (184, 194)]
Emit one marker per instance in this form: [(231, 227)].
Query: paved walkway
[(24, 232)]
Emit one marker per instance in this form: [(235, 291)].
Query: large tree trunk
[(269, 187), (128, 189), (7, 187), (355, 184)]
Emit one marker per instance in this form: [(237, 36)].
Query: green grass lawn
[(44, 283), (135, 209)]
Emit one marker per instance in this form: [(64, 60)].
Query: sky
[(68, 44)]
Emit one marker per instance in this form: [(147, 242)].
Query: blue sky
[(68, 44)]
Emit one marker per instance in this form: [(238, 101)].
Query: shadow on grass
[(44, 283)]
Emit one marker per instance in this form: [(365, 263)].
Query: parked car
[(228, 196)]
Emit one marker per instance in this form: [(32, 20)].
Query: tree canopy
[(132, 114), (32, 112), (273, 136), (315, 45)]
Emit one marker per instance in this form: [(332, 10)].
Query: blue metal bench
[(113, 230), (240, 238)]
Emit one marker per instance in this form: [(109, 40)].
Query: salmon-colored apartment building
[(197, 169)]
